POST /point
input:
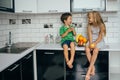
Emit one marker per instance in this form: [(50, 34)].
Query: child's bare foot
[(70, 64), (93, 71), (87, 77)]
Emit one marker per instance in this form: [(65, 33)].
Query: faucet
[(9, 41), (9, 38), (9, 44)]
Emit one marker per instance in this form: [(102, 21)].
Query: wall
[(35, 31)]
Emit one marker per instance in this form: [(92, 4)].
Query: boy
[(67, 33)]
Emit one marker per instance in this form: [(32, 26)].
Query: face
[(90, 18), (68, 21)]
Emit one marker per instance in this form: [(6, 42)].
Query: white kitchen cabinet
[(112, 5), (53, 6), (114, 61), (87, 5), (25, 6), (114, 65)]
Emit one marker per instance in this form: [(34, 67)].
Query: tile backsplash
[(31, 27)]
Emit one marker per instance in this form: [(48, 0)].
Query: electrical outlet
[(26, 21), (12, 21), (105, 19), (79, 25), (46, 26), (74, 24), (51, 25)]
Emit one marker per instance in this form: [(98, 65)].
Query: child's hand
[(72, 29), (92, 45), (69, 30)]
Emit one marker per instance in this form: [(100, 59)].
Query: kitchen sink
[(12, 49), (17, 47)]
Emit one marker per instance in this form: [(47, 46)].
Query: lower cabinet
[(81, 64), (20, 70), (27, 70), (13, 72), (50, 65)]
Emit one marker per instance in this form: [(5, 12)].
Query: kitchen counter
[(8, 59), (110, 47)]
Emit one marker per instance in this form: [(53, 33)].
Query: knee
[(87, 50), (95, 51), (72, 44), (65, 47)]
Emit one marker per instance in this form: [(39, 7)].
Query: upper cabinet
[(7, 5), (87, 5), (25, 6), (112, 5), (57, 6), (53, 6)]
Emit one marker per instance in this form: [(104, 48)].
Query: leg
[(88, 54), (72, 52), (93, 59), (65, 47)]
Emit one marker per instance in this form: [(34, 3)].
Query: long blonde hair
[(97, 20)]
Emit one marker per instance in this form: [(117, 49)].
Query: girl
[(96, 32)]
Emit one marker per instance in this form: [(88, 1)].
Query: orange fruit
[(92, 46), (84, 40), (80, 43), (80, 38)]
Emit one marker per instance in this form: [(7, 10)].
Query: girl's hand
[(92, 45)]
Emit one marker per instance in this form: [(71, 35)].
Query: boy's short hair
[(64, 16)]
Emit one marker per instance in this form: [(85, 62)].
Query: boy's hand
[(69, 30), (72, 29)]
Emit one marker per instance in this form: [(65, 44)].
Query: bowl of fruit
[(81, 40)]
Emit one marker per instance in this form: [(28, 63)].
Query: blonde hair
[(97, 20)]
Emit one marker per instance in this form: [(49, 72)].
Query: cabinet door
[(112, 5), (81, 65), (27, 67), (25, 6), (1, 78), (50, 65), (13, 72), (53, 6), (87, 5), (114, 62)]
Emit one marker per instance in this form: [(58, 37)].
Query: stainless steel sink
[(12, 49), (17, 47)]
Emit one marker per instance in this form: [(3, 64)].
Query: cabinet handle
[(49, 53), (26, 11), (28, 57), (53, 11), (14, 67), (3, 8)]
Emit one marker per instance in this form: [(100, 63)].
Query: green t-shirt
[(69, 36)]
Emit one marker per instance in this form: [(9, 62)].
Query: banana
[(77, 37)]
